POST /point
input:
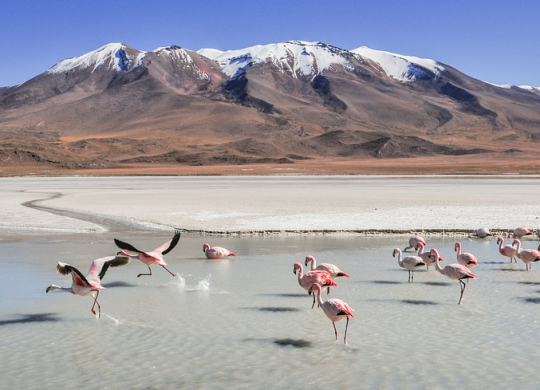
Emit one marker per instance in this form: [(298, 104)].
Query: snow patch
[(402, 68)]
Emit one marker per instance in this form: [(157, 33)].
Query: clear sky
[(492, 40)]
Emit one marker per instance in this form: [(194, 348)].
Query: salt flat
[(275, 203)]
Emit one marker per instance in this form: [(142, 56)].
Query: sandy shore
[(270, 204)]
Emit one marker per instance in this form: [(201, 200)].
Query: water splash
[(114, 320), (178, 281), (204, 285)]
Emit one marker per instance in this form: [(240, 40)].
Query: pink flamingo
[(520, 232), (410, 263), (152, 257), (507, 250), (454, 272), (332, 269), (426, 256), (528, 256), (216, 252), (306, 280), (413, 243), (467, 259), (86, 285), (335, 309)]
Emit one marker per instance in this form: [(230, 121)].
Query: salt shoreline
[(285, 205)]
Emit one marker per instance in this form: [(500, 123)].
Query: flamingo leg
[(328, 291), (312, 306), (346, 326), (167, 270), (96, 303), (335, 330), (463, 285), (149, 269)]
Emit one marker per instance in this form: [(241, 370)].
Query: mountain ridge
[(282, 103)]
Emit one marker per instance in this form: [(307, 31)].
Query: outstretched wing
[(126, 246), (169, 245), (76, 275)]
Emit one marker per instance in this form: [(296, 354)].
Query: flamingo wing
[(100, 266), (169, 245), (125, 246), (78, 278), (342, 308)]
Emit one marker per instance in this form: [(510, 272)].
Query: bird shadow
[(287, 295), (437, 283), (119, 284), (531, 300), (418, 302), (495, 262), (286, 342), (27, 318), (296, 343), (385, 282), (273, 309), (530, 283)]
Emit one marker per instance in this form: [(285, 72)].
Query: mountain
[(295, 103)]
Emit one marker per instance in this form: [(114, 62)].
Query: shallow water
[(245, 323)]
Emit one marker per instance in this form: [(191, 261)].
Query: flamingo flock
[(315, 279), (91, 283)]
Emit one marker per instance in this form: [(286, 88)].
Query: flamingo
[(323, 278), (507, 250), (332, 269), (216, 252), (454, 272), (481, 233), (528, 256), (410, 263), (520, 232), (152, 257), (426, 256), (467, 259), (85, 285), (413, 243), (335, 309)]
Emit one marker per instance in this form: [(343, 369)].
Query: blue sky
[(496, 41)]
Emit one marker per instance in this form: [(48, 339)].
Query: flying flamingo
[(216, 252), (426, 256), (507, 250), (152, 257), (410, 263), (520, 232), (335, 309), (332, 269), (528, 256), (86, 285), (467, 259), (413, 243), (453, 271), (306, 280)]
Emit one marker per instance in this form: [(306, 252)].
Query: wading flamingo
[(332, 269), (413, 243), (306, 280), (520, 232), (86, 285), (216, 252), (528, 256), (335, 309), (454, 272), (426, 256), (467, 259), (152, 257), (410, 263), (507, 250)]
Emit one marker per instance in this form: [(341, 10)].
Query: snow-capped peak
[(299, 58), (401, 68), (112, 55)]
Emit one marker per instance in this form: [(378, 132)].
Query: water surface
[(245, 323)]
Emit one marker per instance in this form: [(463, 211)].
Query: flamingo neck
[(458, 248), (518, 247), (319, 296), (399, 259), (437, 264)]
